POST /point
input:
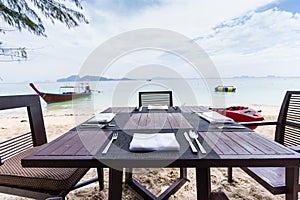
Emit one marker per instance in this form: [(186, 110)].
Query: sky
[(253, 38)]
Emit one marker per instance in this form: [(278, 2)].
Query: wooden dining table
[(226, 145)]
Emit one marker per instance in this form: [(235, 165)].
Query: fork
[(114, 137)]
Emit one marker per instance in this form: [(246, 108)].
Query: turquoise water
[(253, 92)]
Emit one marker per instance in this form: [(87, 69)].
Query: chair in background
[(288, 134), (160, 98), (38, 183)]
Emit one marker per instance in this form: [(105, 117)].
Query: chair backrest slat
[(15, 145), (160, 98), (288, 127), (292, 138), (36, 137)]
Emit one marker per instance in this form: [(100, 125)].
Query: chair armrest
[(295, 148), (261, 123)]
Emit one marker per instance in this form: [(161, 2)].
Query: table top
[(82, 146)]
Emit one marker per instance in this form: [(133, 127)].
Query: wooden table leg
[(291, 179), (115, 184), (128, 174), (100, 178), (203, 183)]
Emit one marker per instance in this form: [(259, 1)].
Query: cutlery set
[(194, 136), (187, 136), (194, 150), (191, 135)]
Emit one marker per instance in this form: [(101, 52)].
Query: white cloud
[(260, 37), (260, 30), (188, 17), (262, 43)]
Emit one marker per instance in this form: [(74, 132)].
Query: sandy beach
[(156, 180)]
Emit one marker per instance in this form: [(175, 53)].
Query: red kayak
[(240, 114)]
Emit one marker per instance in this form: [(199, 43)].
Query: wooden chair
[(287, 133), (38, 183), (159, 98)]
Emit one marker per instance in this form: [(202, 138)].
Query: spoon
[(194, 135)]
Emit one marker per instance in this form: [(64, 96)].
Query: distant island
[(74, 78), (267, 76)]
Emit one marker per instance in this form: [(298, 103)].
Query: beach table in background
[(226, 146)]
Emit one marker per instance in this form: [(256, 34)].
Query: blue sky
[(284, 5), (255, 38)]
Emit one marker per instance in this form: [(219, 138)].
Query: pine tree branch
[(22, 14), (20, 20), (13, 53), (19, 14)]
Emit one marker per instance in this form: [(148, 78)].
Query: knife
[(194, 150), (233, 127)]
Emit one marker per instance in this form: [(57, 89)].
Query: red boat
[(240, 114), (64, 96)]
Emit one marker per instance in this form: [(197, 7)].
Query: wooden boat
[(225, 89), (240, 114), (69, 93)]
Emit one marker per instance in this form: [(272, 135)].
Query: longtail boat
[(64, 96)]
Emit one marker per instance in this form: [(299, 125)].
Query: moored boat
[(240, 114), (69, 93)]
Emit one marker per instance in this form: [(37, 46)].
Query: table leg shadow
[(147, 195)]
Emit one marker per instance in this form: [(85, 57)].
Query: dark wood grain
[(230, 147), (133, 121), (82, 147)]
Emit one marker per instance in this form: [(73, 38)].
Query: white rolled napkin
[(153, 107), (154, 142), (215, 117), (102, 118)]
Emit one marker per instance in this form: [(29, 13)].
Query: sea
[(251, 91)]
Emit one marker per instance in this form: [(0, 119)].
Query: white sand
[(156, 180)]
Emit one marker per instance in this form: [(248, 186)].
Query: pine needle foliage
[(26, 14)]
